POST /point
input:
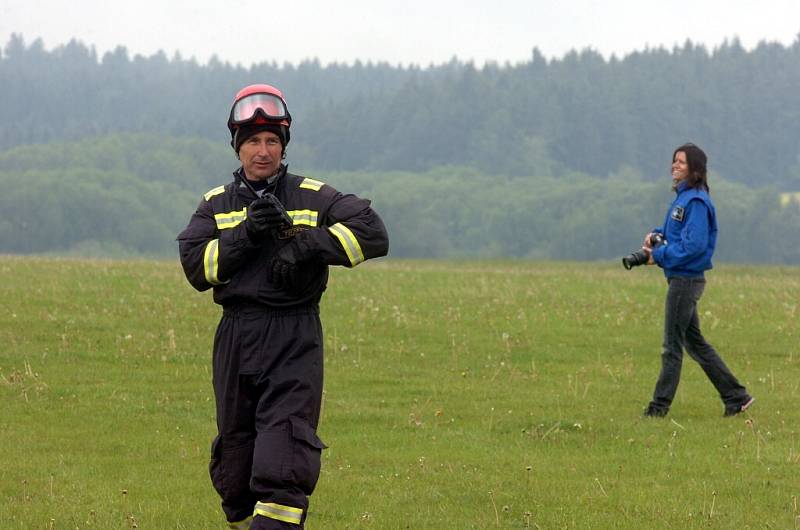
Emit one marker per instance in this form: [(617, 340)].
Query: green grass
[(458, 395)]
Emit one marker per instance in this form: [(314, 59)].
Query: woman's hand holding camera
[(648, 249)]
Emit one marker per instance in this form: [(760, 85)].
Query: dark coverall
[(267, 361)]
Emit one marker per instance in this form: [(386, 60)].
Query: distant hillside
[(130, 195), (580, 113)]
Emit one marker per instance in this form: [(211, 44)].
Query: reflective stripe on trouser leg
[(287, 514)]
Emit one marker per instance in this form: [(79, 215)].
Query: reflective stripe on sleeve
[(215, 191), (230, 219), (287, 514), (311, 184), (349, 243), (303, 217), (210, 262)]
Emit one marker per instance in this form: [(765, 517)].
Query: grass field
[(458, 395)]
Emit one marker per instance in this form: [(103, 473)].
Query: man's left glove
[(282, 269)]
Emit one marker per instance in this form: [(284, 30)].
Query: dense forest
[(563, 158), (578, 113), (130, 194)]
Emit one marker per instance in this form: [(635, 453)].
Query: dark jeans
[(682, 329)]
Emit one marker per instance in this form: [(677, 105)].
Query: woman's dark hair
[(696, 159)]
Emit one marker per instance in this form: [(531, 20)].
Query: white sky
[(399, 32)]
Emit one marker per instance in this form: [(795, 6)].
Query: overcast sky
[(399, 32)]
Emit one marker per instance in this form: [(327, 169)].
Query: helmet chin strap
[(236, 137)]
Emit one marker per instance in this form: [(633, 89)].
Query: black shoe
[(733, 411), (655, 412), (244, 524)]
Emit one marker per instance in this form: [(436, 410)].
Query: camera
[(640, 257)]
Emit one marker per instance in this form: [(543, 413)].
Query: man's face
[(261, 155), (680, 168)]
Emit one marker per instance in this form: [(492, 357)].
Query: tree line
[(130, 194), (580, 113)]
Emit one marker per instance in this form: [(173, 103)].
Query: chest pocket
[(677, 214)]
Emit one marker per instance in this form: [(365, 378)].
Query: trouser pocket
[(215, 466), (306, 455), (230, 469), (287, 457)]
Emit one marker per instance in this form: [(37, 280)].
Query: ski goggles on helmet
[(268, 106)]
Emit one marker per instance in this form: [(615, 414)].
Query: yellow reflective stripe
[(349, 243), (311, 184), (287, 514), (210, 262), (303, 217), (230, 219), (244, 524), (215, 191)]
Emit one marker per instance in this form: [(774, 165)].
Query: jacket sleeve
[(352, 232), (211, 256), (693, 240)]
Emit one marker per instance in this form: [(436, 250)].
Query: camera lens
[(634, 259)]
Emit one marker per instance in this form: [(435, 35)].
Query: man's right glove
[(264, 214), (283, 268)]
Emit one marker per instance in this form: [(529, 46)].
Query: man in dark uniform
[(263, 242)]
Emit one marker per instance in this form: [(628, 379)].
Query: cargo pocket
[(215, 467), (306, 455), (230, 469), (271, 459)]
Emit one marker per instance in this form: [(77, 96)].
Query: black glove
[(282, 269), (263, 214)]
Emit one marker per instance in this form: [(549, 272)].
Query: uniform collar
[(242, 184)]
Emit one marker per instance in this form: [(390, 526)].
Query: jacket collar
[(242, 185)]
